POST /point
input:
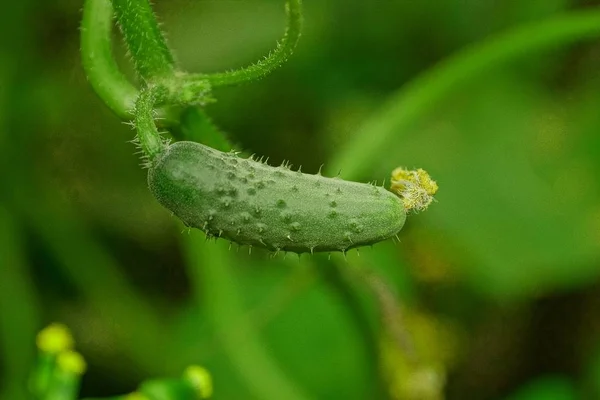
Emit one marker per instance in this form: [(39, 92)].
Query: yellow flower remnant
[(419, 374), (200, 379), (415, 187), (71, 362), (54, 339), (135, 396)]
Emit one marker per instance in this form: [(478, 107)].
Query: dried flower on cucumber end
[(414, 187)]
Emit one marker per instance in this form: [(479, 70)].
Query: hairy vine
[(253, 203)]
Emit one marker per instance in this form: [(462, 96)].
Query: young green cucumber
[(252, 203)]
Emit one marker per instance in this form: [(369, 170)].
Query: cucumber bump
[(252, 203)]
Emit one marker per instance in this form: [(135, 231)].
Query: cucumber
[(252, 203)]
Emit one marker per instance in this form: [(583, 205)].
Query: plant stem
[(210, 268), (102, 71), (147, 133), (18, 310), (339, 277), (100, 67), (422, 94), (151, 56), (267, 65), (174, 91)]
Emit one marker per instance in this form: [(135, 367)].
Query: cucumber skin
[(252, 203)]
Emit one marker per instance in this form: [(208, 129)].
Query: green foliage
[(57, 374), (547, 388), (507, 256), (406, 106)]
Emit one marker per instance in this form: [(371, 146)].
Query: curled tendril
[(264, 67)]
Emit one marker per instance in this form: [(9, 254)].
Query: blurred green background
[(496, 287)]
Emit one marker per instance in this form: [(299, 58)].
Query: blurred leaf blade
[(19, 314), (239, 338), (408, 104)]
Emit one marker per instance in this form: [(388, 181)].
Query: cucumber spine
[(252, 203)]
